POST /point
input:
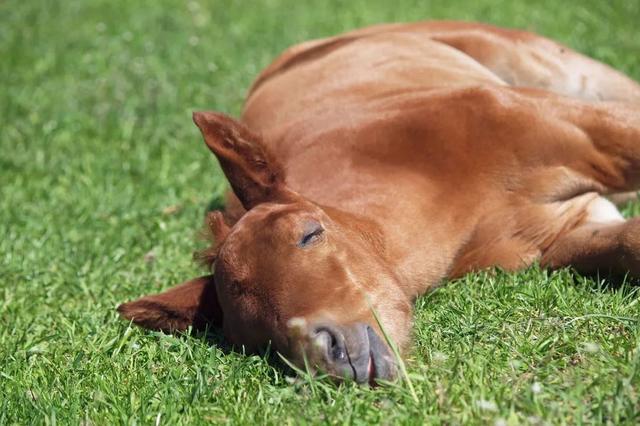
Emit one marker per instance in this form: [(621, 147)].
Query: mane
[(215, 234)]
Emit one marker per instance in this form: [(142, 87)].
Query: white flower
[(533, 420), (439, 357), (516, 364), (485, 405), (591, 347)]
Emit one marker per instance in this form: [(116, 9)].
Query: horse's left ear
[(255, 175), (193, 303)]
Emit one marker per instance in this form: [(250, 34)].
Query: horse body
[(370, 166), (391, 122)]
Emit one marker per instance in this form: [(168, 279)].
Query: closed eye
[(311, 236)]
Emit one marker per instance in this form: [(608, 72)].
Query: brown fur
[(423, 151)]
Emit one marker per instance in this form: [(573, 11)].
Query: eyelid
[(311, 236)]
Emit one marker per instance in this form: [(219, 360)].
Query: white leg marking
[(602, 210)]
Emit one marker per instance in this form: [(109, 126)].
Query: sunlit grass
[(104, 181)]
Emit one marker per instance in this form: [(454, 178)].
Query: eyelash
[(311, 237)]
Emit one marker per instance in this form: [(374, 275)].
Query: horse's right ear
[(193, 303), (254, 174)]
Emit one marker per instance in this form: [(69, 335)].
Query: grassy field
[(103, 184)]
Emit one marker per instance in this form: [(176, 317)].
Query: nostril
[(338, 352), (332, 343)]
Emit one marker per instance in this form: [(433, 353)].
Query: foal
[(370, 166)]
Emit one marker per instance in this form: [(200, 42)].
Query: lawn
[(104, 181)]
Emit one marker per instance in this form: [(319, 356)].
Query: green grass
[(101, 165)]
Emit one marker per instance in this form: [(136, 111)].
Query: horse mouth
[(348, 352), (381, 365)]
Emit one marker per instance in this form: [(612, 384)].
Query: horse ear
[(254, 174), (193, 303)]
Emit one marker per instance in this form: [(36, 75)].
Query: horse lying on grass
[(369, 167)]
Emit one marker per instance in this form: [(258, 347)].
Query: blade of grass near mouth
[(396, 354), (306, 373)]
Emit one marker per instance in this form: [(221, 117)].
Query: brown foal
[(368, 167)]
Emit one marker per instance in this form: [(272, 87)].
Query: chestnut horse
[(369, 167)]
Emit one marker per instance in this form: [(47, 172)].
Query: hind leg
[(613, 130), (600, 141), (608, 153), (598, 247), (523, 59)]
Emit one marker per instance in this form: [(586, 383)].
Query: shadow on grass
[(213, 336), (607, 281)]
